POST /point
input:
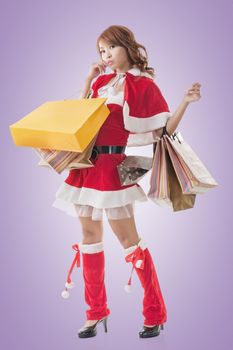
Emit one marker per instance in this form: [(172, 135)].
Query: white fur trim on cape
[(139, 124), (136, 72)]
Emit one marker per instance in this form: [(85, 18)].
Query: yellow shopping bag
[(67, 125)]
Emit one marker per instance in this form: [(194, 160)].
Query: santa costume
[(135, 114)]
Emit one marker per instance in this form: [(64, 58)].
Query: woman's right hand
[(96, 69)]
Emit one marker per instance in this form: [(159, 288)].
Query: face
[(114, 56)]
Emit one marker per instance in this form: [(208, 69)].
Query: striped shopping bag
[(165, 189), (159, 191), (61, 160)]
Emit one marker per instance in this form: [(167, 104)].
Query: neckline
[(120, 74), (134, 71)]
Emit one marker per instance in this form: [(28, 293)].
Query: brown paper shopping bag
[(180, 201)]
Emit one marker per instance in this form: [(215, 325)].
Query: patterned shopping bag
[(133, 168)]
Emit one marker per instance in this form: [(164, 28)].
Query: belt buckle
[(94, 153)]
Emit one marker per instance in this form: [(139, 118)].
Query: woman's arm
[(86, 89), (173, 121), (191, 95), (95, 70), (176, 117)]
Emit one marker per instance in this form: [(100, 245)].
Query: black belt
[(107, 149)]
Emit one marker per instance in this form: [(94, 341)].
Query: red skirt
[(89, 191)]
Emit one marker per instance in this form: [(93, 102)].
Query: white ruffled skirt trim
[(83, 210), (88, 202)]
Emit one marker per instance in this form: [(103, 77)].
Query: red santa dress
[(135, 114)]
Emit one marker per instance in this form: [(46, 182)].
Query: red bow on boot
[(65, 294), (137, 258)]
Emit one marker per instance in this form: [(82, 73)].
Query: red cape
[(144, 107)]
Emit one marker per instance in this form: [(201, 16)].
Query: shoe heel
[(105, 324), (161, 326)]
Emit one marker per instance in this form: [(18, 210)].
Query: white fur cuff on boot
[(91, 248), (141, 244)]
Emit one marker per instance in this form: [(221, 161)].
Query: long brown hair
[(122, 36)]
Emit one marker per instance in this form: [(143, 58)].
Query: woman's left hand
[(193, 94)]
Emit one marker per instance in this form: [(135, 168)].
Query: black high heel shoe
[(148, 332), (91, 331)]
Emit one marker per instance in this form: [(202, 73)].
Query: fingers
[(195, 88), (196, 85), (194, 91), (102, 66)]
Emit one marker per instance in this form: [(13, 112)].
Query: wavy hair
[(122, 36)]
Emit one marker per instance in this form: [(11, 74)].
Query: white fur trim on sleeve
[(141, 139)]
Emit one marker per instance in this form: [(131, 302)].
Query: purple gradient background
[(46, 52)]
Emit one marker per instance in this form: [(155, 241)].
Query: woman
[(138, 114)]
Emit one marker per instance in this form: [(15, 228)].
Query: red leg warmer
[(93, 273), (154, 309)]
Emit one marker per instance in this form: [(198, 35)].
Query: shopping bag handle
[(174, 135), (163, 133)]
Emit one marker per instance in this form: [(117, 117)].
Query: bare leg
[(92, 230), (126, 231)]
